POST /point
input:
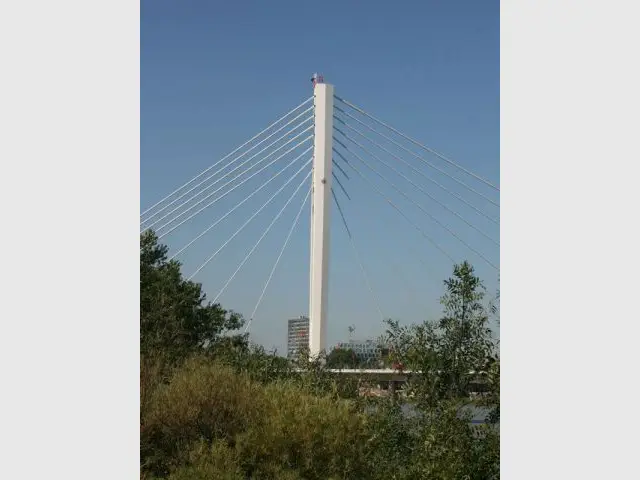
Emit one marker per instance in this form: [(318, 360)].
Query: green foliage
[(258, 364), (342, 358), (208, 461), (493, 398), (175, 321), (445, 352), (465, 343), (266, 427), (213, 406), (314, 377), (202, 401), (451, 448), (495, 305), (392, 440), (317, 436)]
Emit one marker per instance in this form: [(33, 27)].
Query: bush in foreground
[(208, 421), (262, 428)]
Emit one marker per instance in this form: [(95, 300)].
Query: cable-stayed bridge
[(313, 156)]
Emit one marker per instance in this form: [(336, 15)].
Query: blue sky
[(213, 74)]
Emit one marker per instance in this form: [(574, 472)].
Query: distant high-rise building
[(297, 336), (368, 351)]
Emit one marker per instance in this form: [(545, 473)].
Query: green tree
[(443, 442), (342, 358), (446, 351), (175, 321), (465, 343)]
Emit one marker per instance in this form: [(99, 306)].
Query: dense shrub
[(451, 447), (265, 426), (216, 461), (202, 401), (208, 421), (318, 436)]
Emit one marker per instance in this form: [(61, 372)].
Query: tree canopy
[(446, 351), (342, 358), (175, 319)]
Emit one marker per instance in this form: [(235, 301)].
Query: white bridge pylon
[(320, 218), (294, 135)]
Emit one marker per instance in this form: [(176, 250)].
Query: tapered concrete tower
[(320, 217)]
